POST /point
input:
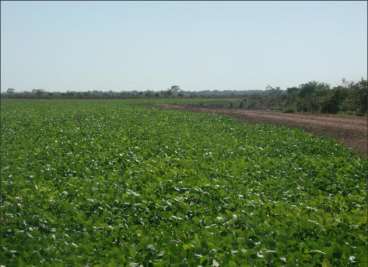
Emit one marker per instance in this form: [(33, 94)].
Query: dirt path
[(350, 130)]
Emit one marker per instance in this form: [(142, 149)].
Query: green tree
[(310, 95)]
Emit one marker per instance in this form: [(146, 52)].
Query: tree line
[(319, 97), (173, 92), (313, 96)]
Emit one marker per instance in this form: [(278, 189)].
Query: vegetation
[(173, 92), (114, 183), (350, 97), (314, 97)]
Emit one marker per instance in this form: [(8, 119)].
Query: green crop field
[(122, 183)]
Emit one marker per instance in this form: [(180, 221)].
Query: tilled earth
[(349, 130)]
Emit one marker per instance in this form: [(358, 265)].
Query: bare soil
[(349, 130)]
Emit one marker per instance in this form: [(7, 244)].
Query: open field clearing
[(116, 183), (350, 130)]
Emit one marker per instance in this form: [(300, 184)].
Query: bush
[(289, 110)]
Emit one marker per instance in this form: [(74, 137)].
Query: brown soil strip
[(349, 130)]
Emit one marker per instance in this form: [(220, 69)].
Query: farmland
[(349, 130), (124, 183)]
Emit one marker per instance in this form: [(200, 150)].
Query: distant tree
[(292, 98), (38, 92), (174, 90), (268, 87), (360, 95), (312, 88), (346, 83), (310, 93), (331, 102), (10, 91)]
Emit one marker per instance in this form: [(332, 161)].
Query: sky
[(60, 46)]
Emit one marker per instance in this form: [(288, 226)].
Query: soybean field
[(124, 183)]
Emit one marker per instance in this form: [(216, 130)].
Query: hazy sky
[(197, 45)]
